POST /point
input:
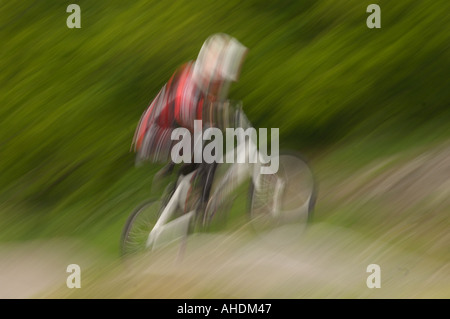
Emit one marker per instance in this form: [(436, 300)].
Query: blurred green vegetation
[(71, 98)]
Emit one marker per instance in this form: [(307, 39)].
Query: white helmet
[(219, 60)]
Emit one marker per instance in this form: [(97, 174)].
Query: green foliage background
[(70, 99)]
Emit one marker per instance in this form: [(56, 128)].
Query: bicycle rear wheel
[(285, 197), (138, 227)]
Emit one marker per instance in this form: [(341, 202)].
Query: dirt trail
[(325, 262), (28, 269)]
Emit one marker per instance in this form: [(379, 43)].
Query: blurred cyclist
[(194, 92)]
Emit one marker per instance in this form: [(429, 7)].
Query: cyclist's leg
[(207, 179)]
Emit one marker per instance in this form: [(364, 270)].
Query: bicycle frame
[(246, 166)]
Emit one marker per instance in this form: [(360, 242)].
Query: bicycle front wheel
[(285, 197)]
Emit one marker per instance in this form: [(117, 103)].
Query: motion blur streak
[(369, 108)]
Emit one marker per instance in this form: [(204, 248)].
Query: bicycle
[(285, 197)]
